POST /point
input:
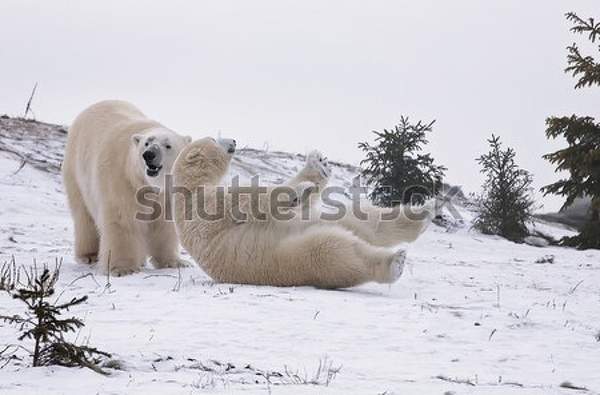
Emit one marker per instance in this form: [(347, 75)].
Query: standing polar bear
[(271, 250), (112, 151)]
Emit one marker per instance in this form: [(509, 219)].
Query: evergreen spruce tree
[(581, 159), (396, 168), (42, 323), (505, 207)]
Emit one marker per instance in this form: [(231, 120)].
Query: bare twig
[(8, 354), (21, 166), (9, 275), (28, 108), (177, 285), (575, 287), (498, 295), (91, 275), (455, 380), (323, 376), (571, 386), (108, 285)]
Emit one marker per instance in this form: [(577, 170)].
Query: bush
[(505, 207), (396, 169)]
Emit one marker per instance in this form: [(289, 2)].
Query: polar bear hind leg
[(332, 257), (87, 240), (405, 225)]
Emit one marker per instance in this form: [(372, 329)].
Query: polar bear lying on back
[(112, 151), (272, 251)]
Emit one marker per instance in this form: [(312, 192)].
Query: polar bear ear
[(136, 138)]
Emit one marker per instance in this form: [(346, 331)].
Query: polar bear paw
[(120, 271), (304, 190), (316, 160), (170, 264), (397, 265), (87, 259)]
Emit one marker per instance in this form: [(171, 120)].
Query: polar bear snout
[(227, 144), (153, 158), (149, 156)]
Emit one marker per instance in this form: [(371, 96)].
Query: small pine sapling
[(396, 168), (506, 205), (43, 325)]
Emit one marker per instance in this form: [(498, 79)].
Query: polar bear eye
[(168, 146), (146, 144)]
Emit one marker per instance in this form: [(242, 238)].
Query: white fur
[(279, 252), (102, 170)]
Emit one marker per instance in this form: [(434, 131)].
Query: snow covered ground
[(472, 315)]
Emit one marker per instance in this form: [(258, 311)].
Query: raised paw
[(303, 192), (317, 161)]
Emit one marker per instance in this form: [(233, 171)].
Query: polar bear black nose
[(148, 155)]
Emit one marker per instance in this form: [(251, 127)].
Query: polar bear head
[(203, 162), (155, 152)]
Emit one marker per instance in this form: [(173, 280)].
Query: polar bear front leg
[(318, 164), (315, 170), (121, 250), (163, 245), (315, 174)]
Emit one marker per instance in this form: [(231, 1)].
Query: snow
[(473, 314)]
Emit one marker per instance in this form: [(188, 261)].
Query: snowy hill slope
[(473, 314)]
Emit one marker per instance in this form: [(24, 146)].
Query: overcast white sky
[(297, 75)]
